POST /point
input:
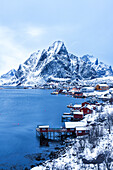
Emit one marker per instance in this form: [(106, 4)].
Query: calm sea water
[(21, 110)]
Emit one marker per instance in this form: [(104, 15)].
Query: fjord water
[(21, 110)]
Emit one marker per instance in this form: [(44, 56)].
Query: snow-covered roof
[(77, 105), (103, 85), (74, 124), (46, 126), (78, 113), (66, 113), (82, 128), (67, 116), (88, 106)]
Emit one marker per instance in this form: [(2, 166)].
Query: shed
[(44, 128)]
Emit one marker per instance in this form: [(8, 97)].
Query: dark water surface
[(21, 110)]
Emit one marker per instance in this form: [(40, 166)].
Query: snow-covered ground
[(93, 82), (97, 94), (89, 152)]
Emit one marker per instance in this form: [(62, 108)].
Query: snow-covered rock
[(55, 64), (9, 74)]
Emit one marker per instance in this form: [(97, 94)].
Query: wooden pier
[(54, 133)]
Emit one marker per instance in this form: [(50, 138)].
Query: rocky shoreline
[(41, 158)]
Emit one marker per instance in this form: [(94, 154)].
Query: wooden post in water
[(53, 135), (50, 135)]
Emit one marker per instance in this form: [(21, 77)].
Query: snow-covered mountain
[(6, 78), (56, 64), (9, 74)]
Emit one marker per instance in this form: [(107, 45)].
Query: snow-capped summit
[(57, 47), (56, 64)]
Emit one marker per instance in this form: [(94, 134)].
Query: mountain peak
[(55, 64), (58, 47)]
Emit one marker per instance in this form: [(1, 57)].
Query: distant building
[(102, 87), (73, 90), (78, 95)]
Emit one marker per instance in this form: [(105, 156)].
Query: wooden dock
[(55, 133)]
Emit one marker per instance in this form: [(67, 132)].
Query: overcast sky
[(85, 26)]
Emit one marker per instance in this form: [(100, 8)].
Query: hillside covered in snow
[(56, 64), (92, 152)]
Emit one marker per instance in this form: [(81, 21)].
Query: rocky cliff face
[(56, 63)]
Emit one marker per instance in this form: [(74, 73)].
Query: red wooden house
[(80, 127), (85, 103), (44, 128), (81, 131), (78, 115), (86, 109)]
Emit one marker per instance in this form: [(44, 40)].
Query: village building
[(73, 90), (80, 131), (87, 109), (102, 87), (67, 117), (78, 94), (79, 127), (78, 115), (85, 103), (44, 128)]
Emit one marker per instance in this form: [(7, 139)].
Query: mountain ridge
[(56, 63)]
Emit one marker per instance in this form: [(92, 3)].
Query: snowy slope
[(8, 77), (88, 152), (56, 64)]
